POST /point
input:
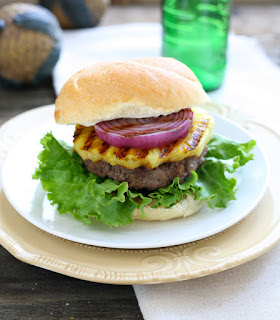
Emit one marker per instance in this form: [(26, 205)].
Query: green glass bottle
[(195, 32)]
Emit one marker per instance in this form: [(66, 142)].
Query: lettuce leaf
[(75, 190), (175, 192), (215, 184)]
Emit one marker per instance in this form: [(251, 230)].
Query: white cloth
[(248, 292), (252, 86), (252, 82)]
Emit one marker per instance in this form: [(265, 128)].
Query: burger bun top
[(147, 87)]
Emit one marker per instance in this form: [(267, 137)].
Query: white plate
[(28, 198)]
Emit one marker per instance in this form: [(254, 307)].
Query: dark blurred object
[(5, 2), (77, 13), (30, 39)]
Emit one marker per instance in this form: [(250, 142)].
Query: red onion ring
[(145, 133)]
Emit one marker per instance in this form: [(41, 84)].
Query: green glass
[(195, 32)]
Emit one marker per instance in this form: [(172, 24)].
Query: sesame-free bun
[(147, 87), (184, 208)]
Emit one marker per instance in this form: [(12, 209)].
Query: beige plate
[(248, 239)]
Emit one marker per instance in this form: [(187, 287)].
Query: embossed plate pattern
[(246, 240)]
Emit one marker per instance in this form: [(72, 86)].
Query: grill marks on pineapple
[(104, 147), (141, 153), (89, 146), (89, 141), (77, 132), (166, 150), (121, 152), (197, 135), (192, 142), (93, 141)]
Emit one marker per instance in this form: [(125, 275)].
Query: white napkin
[(252, 82), (248, 292), (252, 86)]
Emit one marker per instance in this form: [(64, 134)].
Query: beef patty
[(143, 178)]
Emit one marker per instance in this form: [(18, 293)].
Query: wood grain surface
[(27, 292)]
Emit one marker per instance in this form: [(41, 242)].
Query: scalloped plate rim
[(236, 260), (19, 251)]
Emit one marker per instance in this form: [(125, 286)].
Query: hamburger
[(143, 148)]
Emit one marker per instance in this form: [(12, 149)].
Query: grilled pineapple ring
[(89, 146)]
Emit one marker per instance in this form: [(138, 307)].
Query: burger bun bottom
[(184, 208)]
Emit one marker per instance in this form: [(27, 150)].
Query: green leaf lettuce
[(75, 190)]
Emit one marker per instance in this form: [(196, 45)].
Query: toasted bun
[(184, 208), (147, 87)]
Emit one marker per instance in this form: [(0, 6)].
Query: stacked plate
[(145, 252)]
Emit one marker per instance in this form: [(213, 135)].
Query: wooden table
[(27, 292)]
